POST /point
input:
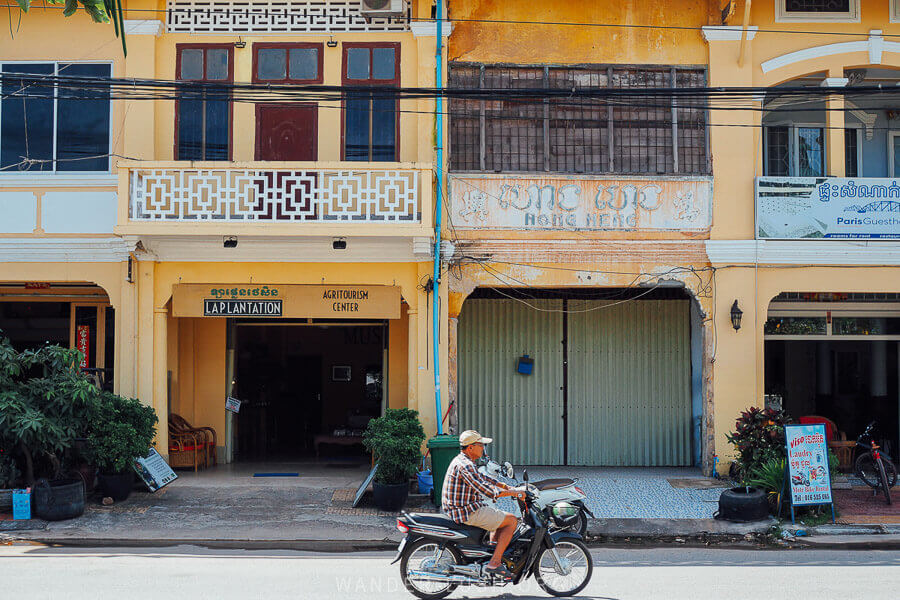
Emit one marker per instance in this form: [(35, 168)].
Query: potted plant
[(759, 441), (45, 402), (121, 430), (396, 441)]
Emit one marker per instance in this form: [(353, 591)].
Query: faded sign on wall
[(580, 203), (827, 207)]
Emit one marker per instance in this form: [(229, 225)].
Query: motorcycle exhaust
[(443, 578)]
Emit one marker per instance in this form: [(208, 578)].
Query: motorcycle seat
[(445, 521), (552, 484)]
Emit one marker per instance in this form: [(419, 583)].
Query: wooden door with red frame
[(287, 132)]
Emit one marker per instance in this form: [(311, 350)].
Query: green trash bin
[(444, 449)]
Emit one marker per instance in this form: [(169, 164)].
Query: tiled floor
[(637, 493)]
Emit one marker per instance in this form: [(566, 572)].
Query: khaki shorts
[(486, 517)]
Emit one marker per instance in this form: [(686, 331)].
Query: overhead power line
[(259, 11)]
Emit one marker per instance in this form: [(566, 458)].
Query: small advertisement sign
[(83, 343), (827, 208), (232, 404), (154, 471), (807, 461)]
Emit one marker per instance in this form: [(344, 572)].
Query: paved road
[(37, 572)]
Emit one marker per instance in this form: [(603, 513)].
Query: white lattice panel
[(316, 195), (311, 16)]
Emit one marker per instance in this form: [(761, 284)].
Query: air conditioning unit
[(382, 8)]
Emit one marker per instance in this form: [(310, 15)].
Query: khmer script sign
[(827, 207), (580, 203)]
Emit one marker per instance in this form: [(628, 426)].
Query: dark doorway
[(286, 132), (307, 390)]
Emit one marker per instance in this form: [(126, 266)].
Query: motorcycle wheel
[(573, 554), (419, 552), (580, 524)]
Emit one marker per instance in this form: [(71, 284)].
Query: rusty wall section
[(552, 44)]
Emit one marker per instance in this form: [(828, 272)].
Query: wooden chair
[(186, 450), (206, 436), (837, 440)]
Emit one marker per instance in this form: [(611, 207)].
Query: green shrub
[(396, 440), (769, 477), (121, 431), (758, 438)]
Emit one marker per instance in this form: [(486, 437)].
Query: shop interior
[(307, 389)]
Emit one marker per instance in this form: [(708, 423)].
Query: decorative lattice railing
[(274, 195)]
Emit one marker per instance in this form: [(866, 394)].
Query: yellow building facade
[(275, 244)]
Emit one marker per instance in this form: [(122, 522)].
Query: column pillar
[(412, 380), (161, 378), (834, 126)]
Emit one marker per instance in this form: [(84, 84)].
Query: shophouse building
[(660, 264), (623, 273), (204, 240)]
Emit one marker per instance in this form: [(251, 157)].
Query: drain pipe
[(439, 118)]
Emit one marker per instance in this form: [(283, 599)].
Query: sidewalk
[(230, 508)]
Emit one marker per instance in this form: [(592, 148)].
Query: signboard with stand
[(808, 479), (154, 471)]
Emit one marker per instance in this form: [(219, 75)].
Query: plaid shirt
[(463, 487)]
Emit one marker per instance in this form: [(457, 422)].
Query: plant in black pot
[(396, 440), (121, 430), (45, 402)]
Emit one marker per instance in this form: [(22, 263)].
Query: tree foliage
[(100, 11)]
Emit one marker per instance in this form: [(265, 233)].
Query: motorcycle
[(549, 491), (438, 555)]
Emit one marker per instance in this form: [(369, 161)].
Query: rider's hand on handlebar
[(513, 492)]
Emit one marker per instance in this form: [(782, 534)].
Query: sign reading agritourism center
[(288, 301), (809, 480)]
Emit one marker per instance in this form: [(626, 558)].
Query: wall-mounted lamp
[(736, 315), (240, 43), (339, 243), (332, 43), (229, 241)]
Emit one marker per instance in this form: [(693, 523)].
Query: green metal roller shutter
[(523, 413), (629, 392)]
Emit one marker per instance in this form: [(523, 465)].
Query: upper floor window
[(816, 10), (54, 127), (797, 150), (576, 135), (287, 63), (203, 113), (371, 119)]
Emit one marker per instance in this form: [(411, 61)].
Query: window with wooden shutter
[(576, 134)]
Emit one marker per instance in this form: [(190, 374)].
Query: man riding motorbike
[(461, 499)]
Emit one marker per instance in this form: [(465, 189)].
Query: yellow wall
[(543, 44)]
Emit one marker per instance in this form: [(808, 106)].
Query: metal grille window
[(821, 6), (577, 135)]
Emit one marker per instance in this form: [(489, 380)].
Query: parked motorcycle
[(549, 491), (438, 555)]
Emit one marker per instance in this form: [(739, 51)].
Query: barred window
[(577, 134)]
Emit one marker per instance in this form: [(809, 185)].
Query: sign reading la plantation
[(290, 301), (580, 203)]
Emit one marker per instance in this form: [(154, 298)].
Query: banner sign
[(83, 343), (154, 471), (289, 301), (790, 208), (809, 480), (581, 203)]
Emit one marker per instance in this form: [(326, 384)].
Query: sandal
[(500, 571)]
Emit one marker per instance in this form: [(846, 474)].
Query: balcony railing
[(281, 193), (827, 207)]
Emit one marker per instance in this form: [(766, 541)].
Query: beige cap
[(467, 438)]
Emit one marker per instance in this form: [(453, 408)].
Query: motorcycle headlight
[(563, 513)]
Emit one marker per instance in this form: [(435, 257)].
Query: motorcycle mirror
[(525, 475), (508, 471)]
